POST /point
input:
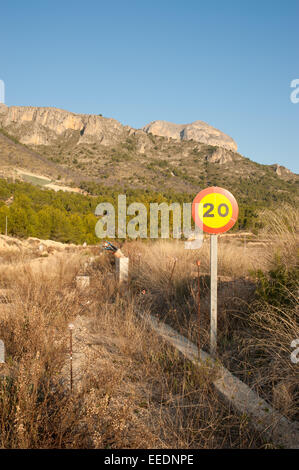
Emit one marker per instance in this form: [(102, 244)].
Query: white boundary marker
[(270, 423), (2, 352), (122, 269)]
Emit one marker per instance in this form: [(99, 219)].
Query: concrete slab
[(270, 423)]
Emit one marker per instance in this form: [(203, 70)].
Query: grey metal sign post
[(213, 294), (215, 210)]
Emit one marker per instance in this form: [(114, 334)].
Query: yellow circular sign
[(215, 210)]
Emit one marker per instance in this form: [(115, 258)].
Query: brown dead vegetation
[(131, 390)]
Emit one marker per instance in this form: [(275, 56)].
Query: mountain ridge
[(48, 123), (60, 145)]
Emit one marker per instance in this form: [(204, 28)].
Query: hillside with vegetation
[(100, 158), (69, 217), (130, 388), (78, 147)]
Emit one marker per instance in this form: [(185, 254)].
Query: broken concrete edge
[(270, 423)]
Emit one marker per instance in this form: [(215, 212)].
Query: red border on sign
[(230, 197)]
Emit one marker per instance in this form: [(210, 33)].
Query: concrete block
[(122, 269), (2, 352), (272, 425)]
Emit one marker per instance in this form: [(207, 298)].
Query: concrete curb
[(270, 423)]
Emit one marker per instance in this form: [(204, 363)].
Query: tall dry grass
[(133, 390), (130, 389), (34, 409), (281, 232), (139, 392), (274, 319), (166, 273), (254, 335), (153, 262)]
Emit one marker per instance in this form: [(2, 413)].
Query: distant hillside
[(93, 151), (67, 217), (14, 155)]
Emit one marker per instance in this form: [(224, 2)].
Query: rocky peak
[(197, 130)]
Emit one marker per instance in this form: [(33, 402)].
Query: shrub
[(279, 285)]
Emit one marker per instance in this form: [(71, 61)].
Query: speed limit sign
[(214, 210)]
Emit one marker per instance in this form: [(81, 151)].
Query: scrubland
[(130, 389)]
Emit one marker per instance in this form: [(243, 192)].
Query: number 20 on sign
[(215, 211)]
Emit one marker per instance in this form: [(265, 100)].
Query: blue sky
[(227, 62)]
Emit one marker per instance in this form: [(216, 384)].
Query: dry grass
[(130, 390), (33, 330), (138, 392), (273, 325), (281, 233), (254, 336), (167, 276), (267, 351), (234, 259)]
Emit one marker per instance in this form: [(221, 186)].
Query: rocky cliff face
[(222, 156), (281, 170), (198, 131), (42, 126)]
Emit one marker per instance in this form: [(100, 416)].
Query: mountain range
[(72, 149)]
